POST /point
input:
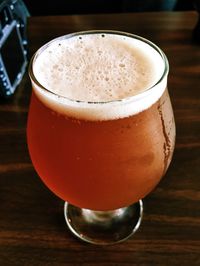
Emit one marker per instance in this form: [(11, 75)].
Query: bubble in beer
[(98, 67)]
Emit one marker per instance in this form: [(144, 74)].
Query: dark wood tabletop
[(32, 226)]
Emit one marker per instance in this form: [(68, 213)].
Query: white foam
[(115, 69)]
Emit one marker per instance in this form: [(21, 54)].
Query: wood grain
[(32, 227)]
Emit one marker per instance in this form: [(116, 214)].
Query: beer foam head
[(98, 76)]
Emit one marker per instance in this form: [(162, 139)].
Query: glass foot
[(104, 227)]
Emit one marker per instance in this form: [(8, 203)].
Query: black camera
[(13, 45)]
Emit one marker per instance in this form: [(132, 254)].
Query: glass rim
[(88, 32)]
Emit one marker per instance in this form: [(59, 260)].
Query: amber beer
[(97, 139)]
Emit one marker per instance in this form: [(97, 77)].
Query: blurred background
[(63, 7)]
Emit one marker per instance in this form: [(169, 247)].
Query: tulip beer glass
[(100, 128)]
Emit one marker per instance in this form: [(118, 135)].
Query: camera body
[(13, 45)]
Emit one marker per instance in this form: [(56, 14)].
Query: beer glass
[(101, 157)]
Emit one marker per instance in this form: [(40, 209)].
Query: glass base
[(104, 227)]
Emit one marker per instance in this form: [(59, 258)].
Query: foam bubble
[(96, 68)]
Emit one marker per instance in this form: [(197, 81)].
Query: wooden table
[(32, 226)]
